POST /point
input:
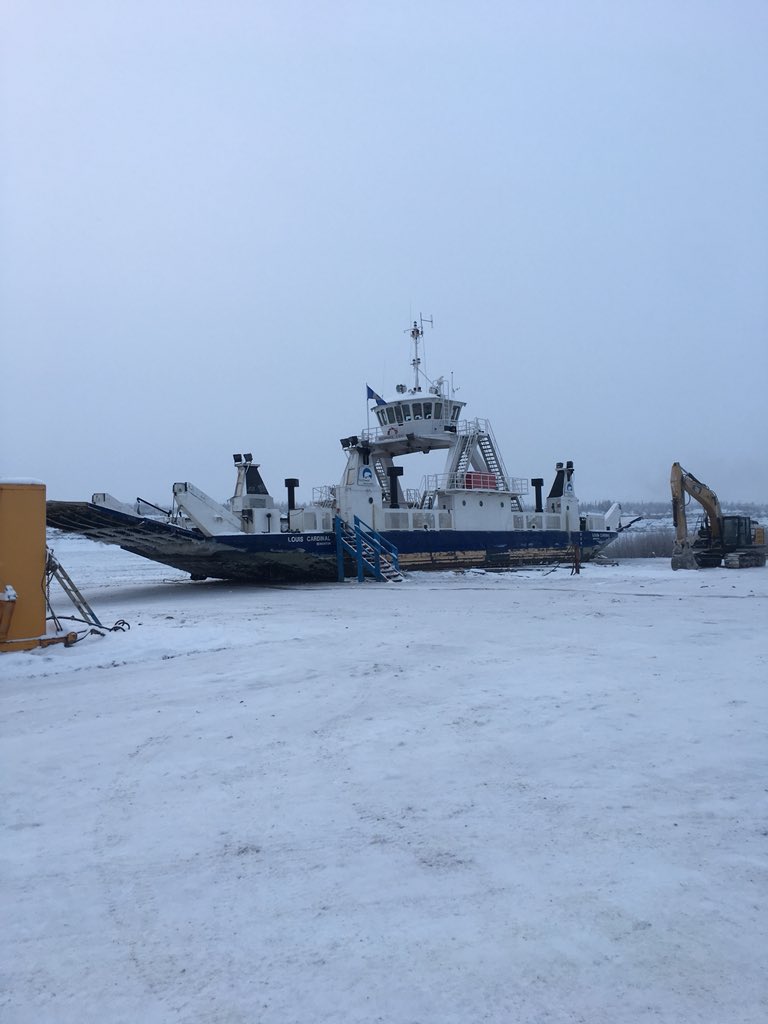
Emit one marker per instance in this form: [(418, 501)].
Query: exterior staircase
[(463, 454), (491, 459), (381, 475), (373, 555)]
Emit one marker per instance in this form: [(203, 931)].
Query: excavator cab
[(737, 532)]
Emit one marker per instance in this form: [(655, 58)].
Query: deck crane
[(737, 542)]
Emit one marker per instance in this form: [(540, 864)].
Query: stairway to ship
[(463, 454), (373, 555), (381, 475), (490, 457)]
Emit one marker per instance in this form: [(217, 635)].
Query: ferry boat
[(472, 515)]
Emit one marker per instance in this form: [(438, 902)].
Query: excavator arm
[(681, 483), (678, 504)]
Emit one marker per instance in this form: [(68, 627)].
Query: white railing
[(472, 426), (420, 428), (474, 481), (460, 428)]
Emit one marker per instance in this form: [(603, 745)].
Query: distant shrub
[(643, 544)]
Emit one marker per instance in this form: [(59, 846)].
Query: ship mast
[(417, 333)]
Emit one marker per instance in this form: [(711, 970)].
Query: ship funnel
[(559, 483), (537, 483), (291, 483), (393, 472)]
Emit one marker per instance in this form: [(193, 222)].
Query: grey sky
[(217, 220)]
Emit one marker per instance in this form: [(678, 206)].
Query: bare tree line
[(642, 544), (655, 509)]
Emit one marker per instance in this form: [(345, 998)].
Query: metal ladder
[(464, 453), (55, 568), (381, 476), (490, 457)]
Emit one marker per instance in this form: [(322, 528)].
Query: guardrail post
[(359, 552)]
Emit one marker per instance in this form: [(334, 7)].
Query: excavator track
[(744, 560)]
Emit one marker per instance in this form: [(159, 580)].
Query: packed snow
[(518, 797)]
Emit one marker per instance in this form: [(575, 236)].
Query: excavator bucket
[(683, 557)]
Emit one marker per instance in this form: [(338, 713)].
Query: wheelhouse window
[(381, 417), (427, 410), (391, 414), (455, 414), (407, 413), (399, 414), (417, 410), (438, 410)]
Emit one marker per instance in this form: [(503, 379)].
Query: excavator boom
[(682, 482)]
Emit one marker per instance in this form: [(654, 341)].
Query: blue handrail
[(362, 532)]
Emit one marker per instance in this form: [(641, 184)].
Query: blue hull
[(299, 558)]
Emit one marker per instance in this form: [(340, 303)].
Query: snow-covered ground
[(523, 797)]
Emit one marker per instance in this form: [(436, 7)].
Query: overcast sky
[(219, 218)]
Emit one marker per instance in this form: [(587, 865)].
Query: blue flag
[(371, 395)]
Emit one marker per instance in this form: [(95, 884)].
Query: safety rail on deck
[(373, 435), (463, 427), (475, 426), (474, 481)]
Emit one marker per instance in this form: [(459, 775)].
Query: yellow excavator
[(737, 542)]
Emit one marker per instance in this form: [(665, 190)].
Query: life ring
[(392, 432)]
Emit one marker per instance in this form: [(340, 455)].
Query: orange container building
[(22, 564)]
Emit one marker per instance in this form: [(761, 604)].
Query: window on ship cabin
[(407, 413), (399, 414), (417, 410), (455, 415), (438, 410), (427, 410), (391, 414), (380, 416)]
